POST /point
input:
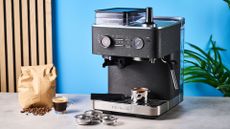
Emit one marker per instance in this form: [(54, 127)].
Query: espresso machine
[(144, 56)]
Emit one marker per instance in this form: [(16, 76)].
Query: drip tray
[(153, 108)]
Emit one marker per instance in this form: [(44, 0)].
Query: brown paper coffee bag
[(36, 85)]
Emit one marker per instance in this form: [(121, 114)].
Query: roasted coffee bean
[(36, 110)]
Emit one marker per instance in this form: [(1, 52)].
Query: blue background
[(80, 72)]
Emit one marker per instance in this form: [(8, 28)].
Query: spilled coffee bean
[(36, 110)]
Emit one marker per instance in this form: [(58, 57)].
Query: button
[(106, 41), (138, 43)]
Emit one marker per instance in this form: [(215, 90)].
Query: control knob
[(106, 41), (138, 43)]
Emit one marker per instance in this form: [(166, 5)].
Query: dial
[(138, 43), (106, 41)]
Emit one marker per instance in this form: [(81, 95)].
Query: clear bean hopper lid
[(133, 17), (119, 16)]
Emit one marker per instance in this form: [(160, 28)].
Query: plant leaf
[(200, 80), (193, 55), (228, 2), (207, 67), (220, 49), (224, 78), (201, 51), (225, 89), (191, 62)]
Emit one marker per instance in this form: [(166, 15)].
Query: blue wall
[(80, 72)]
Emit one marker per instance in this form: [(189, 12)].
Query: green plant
[(207, 67), (228, 2)]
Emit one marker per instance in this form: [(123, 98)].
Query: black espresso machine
[(144, 55)]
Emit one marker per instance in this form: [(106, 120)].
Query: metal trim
[(126, 27), (180, 19)]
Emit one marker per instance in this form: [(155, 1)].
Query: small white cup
[(139, 95)]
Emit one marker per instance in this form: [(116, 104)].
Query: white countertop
[(192, 113)]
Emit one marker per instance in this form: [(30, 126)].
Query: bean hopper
[(139, 50)]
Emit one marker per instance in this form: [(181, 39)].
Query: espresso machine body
[(140, 51)]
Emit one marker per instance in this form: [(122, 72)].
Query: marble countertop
[(192, 113)]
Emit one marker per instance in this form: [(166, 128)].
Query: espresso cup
[(60, 104), (139, 95)]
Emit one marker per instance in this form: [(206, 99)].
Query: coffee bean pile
[(36, 110)]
